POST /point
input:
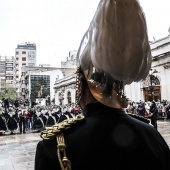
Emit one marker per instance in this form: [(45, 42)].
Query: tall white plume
[(116, 41)]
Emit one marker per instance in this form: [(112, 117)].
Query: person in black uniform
[(6, 105), (153, 114), (16, 103), (22, 120), (114, 52)]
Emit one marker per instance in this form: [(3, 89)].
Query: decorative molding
[(166, 65), (147, 83)]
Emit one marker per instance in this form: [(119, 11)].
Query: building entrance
[(152, 91), (154, 94)]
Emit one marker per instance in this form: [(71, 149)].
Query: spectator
[(141, 109), (16, 103), (168, 112), (22, 120), (153, 112), (28, 117)]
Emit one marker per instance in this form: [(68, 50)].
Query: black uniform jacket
[(108, 139)]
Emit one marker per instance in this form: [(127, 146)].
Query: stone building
[(156, 86)]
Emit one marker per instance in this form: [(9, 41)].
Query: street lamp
[(152, 75)]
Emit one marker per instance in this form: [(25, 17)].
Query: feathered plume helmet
[(115, 51)]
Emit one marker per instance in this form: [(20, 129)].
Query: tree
[(8, 91)]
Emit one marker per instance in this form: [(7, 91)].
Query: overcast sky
[(57, 26)]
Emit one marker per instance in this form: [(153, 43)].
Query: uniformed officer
[(114, 52)]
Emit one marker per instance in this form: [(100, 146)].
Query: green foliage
[(8, 91)]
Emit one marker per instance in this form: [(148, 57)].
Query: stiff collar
[(98, 108)]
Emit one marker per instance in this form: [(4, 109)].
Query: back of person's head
[(153, 103), (114, 52)]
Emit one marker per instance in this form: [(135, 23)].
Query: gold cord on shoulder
[(57, 130), (58, 127), (65, 163)]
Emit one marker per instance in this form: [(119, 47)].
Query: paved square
[(17, 151)]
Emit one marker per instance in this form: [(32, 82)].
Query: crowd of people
[(143, 108), (151, 110), (23, 118)]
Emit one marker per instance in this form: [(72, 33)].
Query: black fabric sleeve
[(46, 156)]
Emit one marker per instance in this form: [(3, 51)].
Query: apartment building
[(25, 55), (7, 69)]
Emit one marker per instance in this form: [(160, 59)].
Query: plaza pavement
[(17, 151)]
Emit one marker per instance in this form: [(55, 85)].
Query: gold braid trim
[(58, 127), (57, 130), (143, 119), (65, 164)]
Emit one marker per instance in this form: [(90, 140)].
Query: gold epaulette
[(58, 127), (143, 119)]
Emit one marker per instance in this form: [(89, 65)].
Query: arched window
[(147, 81)]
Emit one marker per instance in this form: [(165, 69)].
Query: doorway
[(154, 94)]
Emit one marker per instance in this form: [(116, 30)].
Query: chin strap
[(65, 164)]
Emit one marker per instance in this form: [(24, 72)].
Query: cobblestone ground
[(17, 151)]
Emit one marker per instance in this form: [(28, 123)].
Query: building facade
[(7, 69), (70, 60), (154, 87), (65, 90), (38, 82), (7, 76), (25, 55)]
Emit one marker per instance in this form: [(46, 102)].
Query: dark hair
[(107, 82)]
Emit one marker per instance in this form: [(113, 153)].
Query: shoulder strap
[(59, 127), (65, 163), (57, 130), (141, 118)]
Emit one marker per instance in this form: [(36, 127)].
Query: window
[(9, 73), (17, 52), (9, 68), (23, 73), (9, 78), (23, 58), (23, 52), (30, 64), (9, 64)]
